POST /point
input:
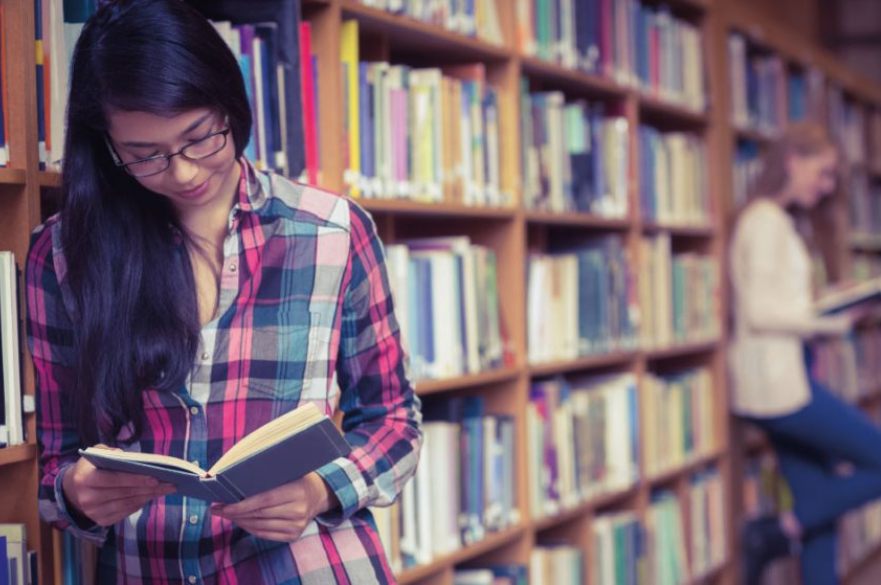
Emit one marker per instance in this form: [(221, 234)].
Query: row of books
[(582, 440), (850, 366), (864, 201), (283, 99), (278, 68), (429, 134), (477, 18), (12, 402), (626, 40), (679, 294), (581, 301), (493, 575), (673, 184), (629, 552), (707, 503), (18, 565), (574, 156), (678, 419), (447, 304), (464, 488), (558, 564), (847, 120), (758, 87)]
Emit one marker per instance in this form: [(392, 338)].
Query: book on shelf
[(493, 575), (574, 156), (556, 564), (582, 440), (14, 555), (11, 424), (619, 548), (842, 298), (674, 184), (304, 437)]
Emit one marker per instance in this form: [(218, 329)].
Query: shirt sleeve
[(763, 268), (50, 340), (381, 413)]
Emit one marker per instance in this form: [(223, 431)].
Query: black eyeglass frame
[(126, 166)]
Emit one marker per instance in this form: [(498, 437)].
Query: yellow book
[(349, 59)]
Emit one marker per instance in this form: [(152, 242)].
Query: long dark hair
[(135, 310)]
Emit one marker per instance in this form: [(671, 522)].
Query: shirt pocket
[(292, 358), (279, 361)]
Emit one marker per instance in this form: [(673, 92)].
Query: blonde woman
[(809, 428)]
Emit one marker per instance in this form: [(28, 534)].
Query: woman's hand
[(106, 497), (282, 513)]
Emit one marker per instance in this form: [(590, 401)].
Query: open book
[(281, 451), (841, 299)]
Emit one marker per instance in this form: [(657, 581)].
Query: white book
[(263, 158), (9, 349)]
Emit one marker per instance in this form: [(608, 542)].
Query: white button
[(192, 579), (205, 356), (195, 462), (194, 410), (233, 267), (194, 519)]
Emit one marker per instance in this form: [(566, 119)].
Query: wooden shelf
[(678, 351), (682, 231), (688, 467), (661, 112), (761, 136), (593, 503), (491, 542), (17, 454), (576, 219), (426, 387), (405, 207), (50, 179), (12, 176), (584, 363), (571, 79), (412, 35)]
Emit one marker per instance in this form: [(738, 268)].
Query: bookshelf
[(511, 231)]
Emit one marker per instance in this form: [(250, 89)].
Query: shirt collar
[(251, 192)]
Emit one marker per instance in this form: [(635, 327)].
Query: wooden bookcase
[(511, 232)]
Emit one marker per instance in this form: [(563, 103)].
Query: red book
[(308, 98)]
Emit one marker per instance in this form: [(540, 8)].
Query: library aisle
[(553, 182)]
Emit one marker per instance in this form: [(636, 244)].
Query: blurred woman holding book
[(182, 299), (811, 430)]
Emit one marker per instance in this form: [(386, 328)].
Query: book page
[(272, 432)]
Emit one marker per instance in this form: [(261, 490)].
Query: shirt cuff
[(347, 484), (81, 528)]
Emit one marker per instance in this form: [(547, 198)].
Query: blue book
[(4, 563)]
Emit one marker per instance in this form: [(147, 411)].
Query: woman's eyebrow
[(193, 126)]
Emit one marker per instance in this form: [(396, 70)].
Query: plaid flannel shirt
[(305, 314)]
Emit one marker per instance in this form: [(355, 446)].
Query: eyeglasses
[(198, 150)]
